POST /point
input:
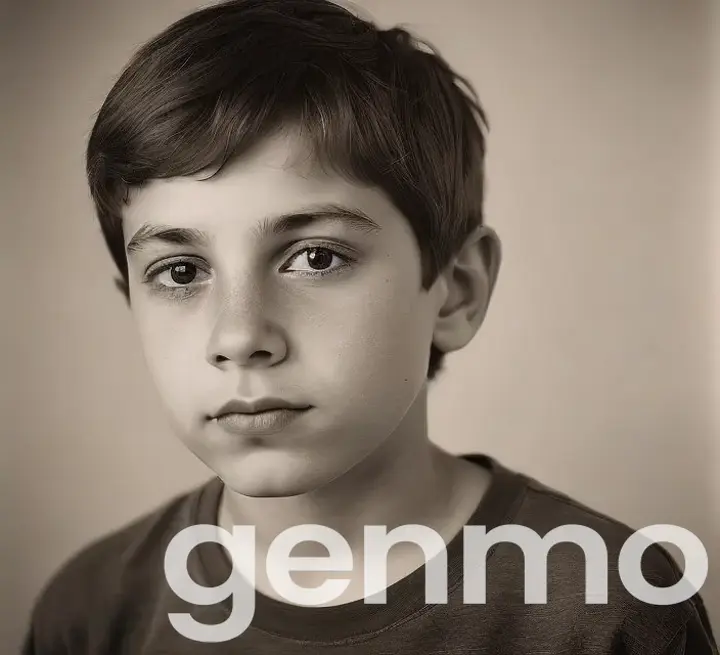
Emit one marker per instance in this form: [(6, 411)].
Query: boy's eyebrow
[(183, 236), (271, 226), (351, 217)]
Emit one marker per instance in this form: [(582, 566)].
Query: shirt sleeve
[(695, 637)]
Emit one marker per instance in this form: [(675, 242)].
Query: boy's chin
[(273, 475)]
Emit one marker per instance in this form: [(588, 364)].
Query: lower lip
[(270, 422)]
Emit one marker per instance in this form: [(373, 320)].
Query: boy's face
[(242, 300)]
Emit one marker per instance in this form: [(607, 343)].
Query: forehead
[(278, 176)]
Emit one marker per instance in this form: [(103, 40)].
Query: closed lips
[(258, 406), (264, 418)]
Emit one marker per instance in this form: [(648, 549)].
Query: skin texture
[(354, 344)]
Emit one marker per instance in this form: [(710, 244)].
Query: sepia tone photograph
[(383, 326)]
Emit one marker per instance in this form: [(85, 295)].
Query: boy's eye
[(317, 259), (179, 274)]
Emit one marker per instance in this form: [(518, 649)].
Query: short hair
[(380, 107)]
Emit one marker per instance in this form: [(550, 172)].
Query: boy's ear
[(466, 287), (122, 286)]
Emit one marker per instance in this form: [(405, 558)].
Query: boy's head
[(294, 200)]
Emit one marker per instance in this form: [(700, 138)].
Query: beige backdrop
[(594, 370)]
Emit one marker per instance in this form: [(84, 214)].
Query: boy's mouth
[(257, 406), (262, 416)]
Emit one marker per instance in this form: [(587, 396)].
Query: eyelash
[(182, 292)]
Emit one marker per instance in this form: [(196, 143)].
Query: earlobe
[(469, 282)]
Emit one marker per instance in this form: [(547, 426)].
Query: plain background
[(596, 370)]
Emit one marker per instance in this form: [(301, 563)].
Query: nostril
[(261, 354)]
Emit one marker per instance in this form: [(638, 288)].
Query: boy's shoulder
[(558, 517), (574, 535), (546, 508), (580, 550), (97, 580), (529, 502)]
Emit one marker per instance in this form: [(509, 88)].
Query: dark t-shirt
[(113, 596)]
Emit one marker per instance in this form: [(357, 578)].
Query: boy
[(294, 201)]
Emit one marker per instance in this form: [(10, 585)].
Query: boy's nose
[(243, 336)]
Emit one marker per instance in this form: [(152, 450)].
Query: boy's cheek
[(165, 329), (174, 360)]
